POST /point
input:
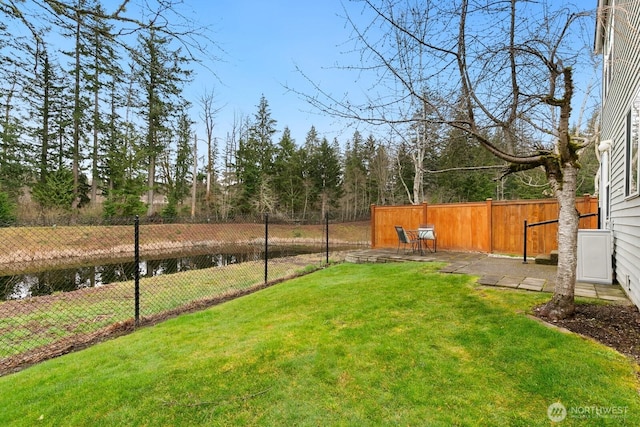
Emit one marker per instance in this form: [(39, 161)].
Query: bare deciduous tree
[(503, 71), (207, 116)]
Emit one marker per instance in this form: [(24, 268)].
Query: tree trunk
[(46, 113), (194, 179), (562, 304), (77, 113), (96, 123), (151, 184), (417, 182)]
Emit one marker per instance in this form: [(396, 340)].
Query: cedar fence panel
[(408, 216), (461, 227), (490, 227)]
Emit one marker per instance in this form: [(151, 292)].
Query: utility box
[(594, 257)]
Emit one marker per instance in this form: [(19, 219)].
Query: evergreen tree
[(255, 158), (288, 181), (125, 159), (7, 210), (57, 192), (13, 153), (381, 182), (355, 198), (327, 174), (465, 185), (161, 75), (101, 72), (177, 169), (307, 160)]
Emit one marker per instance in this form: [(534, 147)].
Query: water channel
[(20, 286)]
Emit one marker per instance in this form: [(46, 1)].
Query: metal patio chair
[(426, 234), (406, 239)]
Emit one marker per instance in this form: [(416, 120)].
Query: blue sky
[(264, 42)]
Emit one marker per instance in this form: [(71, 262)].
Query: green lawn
[(87, 311), (349, 345)]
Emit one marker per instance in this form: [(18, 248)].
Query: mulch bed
[(617, 326)]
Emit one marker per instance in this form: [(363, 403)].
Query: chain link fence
[(65, 287)]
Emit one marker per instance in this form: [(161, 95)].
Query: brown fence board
[(408, 216), (460, 227), (491, 226)]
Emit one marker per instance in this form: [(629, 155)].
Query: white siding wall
[(625, 85)]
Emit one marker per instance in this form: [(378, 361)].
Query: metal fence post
[(136, 271), (326, 221), (266, 247), (525, 242)]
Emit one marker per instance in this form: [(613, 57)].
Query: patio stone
[(610, 290), (585, 293), (534, 282), (489, 279), (453, 268), (587, 287), (549, 287), (528, 287), (510, 282)]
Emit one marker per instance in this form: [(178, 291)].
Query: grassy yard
[(27, 325), (349, 345)]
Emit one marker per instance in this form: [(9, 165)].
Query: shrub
[(120, 204), (56, 192), (7, 210)]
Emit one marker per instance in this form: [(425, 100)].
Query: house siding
[(624, 220)]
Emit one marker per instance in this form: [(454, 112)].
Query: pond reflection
[(70, 279)]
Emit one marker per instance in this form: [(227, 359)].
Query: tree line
[(97, 124)]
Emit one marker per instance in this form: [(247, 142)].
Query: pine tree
[(161, 75), (288, 182), (13, 153), (321, 173), (103, 65), (255, 157), (465, 185), (381, 179), (177, 169), (355, 178), (125, 159)]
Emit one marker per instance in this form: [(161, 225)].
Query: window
[(631, 149)]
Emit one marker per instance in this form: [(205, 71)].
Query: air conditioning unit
[(594, 257)]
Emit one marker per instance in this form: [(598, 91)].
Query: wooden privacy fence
[(489, 226)]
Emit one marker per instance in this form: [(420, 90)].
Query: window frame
[(632, 145), (605, 184)]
